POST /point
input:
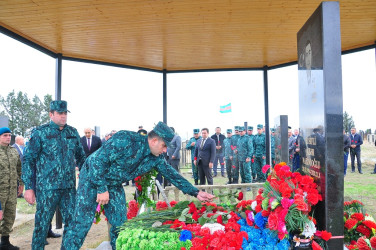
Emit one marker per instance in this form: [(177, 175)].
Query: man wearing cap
[(228, 154), (122, 158), (245, 153), (53, 152), (252, 138), (234, 157), (259, 153), (191, 145), (10, 172)]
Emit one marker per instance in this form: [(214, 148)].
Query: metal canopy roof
[(178, 35)]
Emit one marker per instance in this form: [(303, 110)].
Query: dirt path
[(22, 235)]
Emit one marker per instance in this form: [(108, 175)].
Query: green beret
[(59, 106), (241, 128), (250, 128), (165, 132), (196, 131), (229, 131), (260, 126), (236, 128), (4, 130)]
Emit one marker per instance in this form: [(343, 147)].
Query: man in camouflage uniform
[(234, 157), (245, 152), (123, 157), (53, 153), (228, 155), (259, 153), (272, 145), (252, 137), (191, 145), (10, 172)]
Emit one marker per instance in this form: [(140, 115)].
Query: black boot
[(196, 182), (229, 181), (5, 244)]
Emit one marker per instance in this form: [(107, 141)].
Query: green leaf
[(202, 220), (181, 218), (185, 211)]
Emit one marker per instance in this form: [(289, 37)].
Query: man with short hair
[(10, 172), (272, 145), (259, 153), (123, 158), (19, 145), (234, 157), (228, 155), (53, 153), (191, 145), (90, 142), (218, 138), (173, 151), (252, 138), (356, 141), (291, 141), (245, 153), (346, 147), (204, 157)]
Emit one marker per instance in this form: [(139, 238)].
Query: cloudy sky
[(114, 98)]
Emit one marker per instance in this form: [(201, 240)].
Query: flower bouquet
[(360, 228)]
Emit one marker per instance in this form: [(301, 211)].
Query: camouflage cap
[(196, 131), (229, 131), (236, 128), (250, 128), (272, 129), (260, 126), (241, 128), (59, 106), (165, 132), (4, 130)]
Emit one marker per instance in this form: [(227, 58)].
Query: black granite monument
[(281, 148), (320, 114)]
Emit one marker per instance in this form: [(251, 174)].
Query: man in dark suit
[(356, 141), (204, 157), (90, 142), (218, 138)]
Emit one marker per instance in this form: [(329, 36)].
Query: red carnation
[(357, 216), (369, 224), (364, 230), (265, 168), (265, 213), (173, 203), (373, 242), (192, 208), (258, 208), (195, 216), (219, 219), (350, 223), (326, 235), (240, 196), (362, 244)]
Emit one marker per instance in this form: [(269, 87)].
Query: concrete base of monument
[(105, 245)]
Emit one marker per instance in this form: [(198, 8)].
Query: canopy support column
[(165, 96), (266, 105)]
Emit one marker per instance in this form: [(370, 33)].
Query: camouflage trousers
[(47, 201), (8, 199), (259, 163), (229, 169), (85, 209), (235, 171), (194, 170), (245, 171)]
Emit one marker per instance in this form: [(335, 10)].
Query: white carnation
[(253, 205), (309, 229), (213, 227)]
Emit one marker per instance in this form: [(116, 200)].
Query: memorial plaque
[(320, 114), (281, 147)]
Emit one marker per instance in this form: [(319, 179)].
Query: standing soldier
[(259, 153), (234, 157), (252, 138), (191, 145), (245, 152), (228, 154), (10, 172), (272, 145), (53, 153)]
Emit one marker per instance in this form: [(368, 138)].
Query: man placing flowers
[(124, 157)]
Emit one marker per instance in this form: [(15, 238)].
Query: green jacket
[(245, 148), (125, 156), (228, 150), (259, 145), (52, 154), (234, 139), (10, 167), (192, 148)]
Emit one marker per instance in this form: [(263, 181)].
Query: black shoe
[(196, 182), (360, 172), (223, 175), (5, 244), (51, 234), (215, 175), (373, 173), (353, 171)]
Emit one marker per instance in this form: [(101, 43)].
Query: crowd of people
[(48, 175)]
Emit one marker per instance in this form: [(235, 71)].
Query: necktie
[(202, 143), (88, 143)]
